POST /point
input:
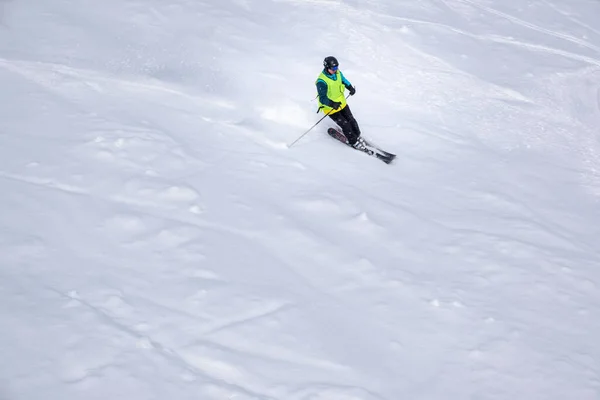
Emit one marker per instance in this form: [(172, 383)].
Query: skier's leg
[(350, 118), (340, 119)]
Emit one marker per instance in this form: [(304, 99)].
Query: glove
[(335, 105), (352, 90)]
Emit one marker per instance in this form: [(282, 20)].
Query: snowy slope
[(159, 240)]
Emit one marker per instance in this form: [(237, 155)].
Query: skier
[(330, 87)]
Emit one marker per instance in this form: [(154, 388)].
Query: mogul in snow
[(330, 87)]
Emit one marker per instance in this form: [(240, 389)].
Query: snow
[(159, 240)]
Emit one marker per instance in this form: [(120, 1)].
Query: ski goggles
[(334, 68)]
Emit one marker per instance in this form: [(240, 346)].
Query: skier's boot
[(360, 144)]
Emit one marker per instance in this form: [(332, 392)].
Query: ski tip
[(387, 160)]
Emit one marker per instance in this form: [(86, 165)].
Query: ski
[(384, 158), (385, 153), (371, 150)]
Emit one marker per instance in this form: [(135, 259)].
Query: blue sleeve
[(345, 81), (322, 90)]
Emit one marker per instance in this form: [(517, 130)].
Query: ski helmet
[(330, 62)]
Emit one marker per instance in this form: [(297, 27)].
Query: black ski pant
[(346, 121)]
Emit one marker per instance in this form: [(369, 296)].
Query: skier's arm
[(348, 85), (345, 81), (322, 90)]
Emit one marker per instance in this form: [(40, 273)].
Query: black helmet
[(330, 62)]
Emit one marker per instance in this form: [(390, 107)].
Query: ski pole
[(310, 129), (301, 136)]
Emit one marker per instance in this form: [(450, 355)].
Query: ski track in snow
[(159, 240), (492, 38), (534, 27), (571, 18)]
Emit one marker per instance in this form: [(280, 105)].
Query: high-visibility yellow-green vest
[(335, 92)]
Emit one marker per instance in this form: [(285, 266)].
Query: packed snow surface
[(159, 239)]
